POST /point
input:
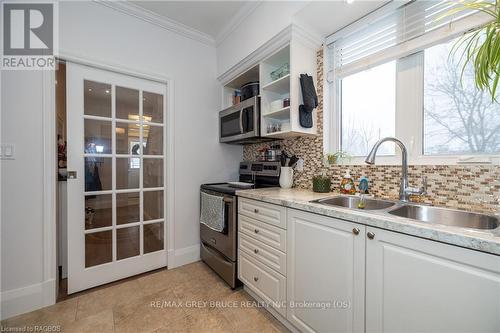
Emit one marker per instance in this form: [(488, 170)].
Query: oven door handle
[(229, 203), (241, 121)]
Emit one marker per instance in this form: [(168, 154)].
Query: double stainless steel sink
[(353, 202), (421, 213)]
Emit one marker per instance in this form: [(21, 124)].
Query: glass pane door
[(123, 159)]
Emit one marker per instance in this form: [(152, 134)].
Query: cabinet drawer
[(266, 283), (267, 234), (263, 253), (262, 211)]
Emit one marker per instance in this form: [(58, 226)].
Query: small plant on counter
[(322, 183)]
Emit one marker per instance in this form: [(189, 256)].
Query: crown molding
[(280, 40), (307, 35), (236, 20), (158, 20)]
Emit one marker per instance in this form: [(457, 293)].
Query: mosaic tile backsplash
[(474, 188)]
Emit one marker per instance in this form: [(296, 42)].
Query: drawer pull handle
[(255, 278), (256, 231), (355, 231), (256, 251), (256, 211), (371, 235)]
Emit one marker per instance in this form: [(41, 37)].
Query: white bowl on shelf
[(276, 105)]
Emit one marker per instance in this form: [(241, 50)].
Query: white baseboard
[(29, 298), (36, 296), (183, 256)]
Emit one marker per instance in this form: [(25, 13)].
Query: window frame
[(409, 114)]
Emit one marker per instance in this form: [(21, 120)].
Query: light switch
[(300, 165), (7, 152)]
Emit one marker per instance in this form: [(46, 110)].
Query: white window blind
[(390, 34)]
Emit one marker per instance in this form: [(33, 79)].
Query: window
[(458, 118), (392, 75), (368, 109)]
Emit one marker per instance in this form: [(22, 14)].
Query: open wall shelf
[(299, 57), (283, 113), (279, 86)]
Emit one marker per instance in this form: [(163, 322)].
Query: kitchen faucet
[(404, 189)]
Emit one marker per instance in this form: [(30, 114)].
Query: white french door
[(116, 176)]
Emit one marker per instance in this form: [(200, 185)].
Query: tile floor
[(164, 301)]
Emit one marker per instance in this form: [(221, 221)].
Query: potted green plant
[(322, 183), (481, 47)]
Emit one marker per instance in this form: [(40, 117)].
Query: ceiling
[(327, 17), (209, 17), (213, 20)]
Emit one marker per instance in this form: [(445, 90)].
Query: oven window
[(230, 125)]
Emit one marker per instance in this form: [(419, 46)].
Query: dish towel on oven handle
[(212, 212)]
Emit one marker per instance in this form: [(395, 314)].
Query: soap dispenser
[(347, 184)]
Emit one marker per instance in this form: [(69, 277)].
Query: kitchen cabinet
[(262, 251), (325, 263), (341, 276), (265, 212), (277, 66), (283, 121), (269, 285), (418, 285)]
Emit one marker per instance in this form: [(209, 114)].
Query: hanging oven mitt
[(310, 100)]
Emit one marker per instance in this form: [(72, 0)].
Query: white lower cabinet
[(325, 267), (265, 282), (339, 276), (262, 251), (418, 285)]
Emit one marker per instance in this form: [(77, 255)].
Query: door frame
[(50, 163)]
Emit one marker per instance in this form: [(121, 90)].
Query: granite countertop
[(481, 240)]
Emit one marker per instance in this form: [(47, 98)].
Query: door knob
[(355, 231), (370, 235)]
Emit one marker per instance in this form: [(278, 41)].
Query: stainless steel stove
[(218, 247)]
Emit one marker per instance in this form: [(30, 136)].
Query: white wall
[(268, 19), (90, 30), (22, 192)]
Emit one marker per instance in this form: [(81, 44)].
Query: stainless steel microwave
[(240, 123)]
